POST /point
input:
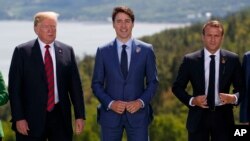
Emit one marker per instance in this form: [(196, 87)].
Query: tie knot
[(124, 46), (212, 56), (47, 46)]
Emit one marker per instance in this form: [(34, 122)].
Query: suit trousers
[(133, 133), (214, 126), (54, 128)]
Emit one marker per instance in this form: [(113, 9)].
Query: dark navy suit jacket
[(245, 105), (108, 83), (28, 86)]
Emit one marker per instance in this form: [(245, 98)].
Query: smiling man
[(124, 81)]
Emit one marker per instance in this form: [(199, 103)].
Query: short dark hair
[(123, 9), (213, 23)]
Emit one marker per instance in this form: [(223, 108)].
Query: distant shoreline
[(85, 37), (99, 22)]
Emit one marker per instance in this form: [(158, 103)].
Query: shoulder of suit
[(107, 46), (247, 53), (27, 44), (195, 54), (141, 43), (61, 44), (229, 53)]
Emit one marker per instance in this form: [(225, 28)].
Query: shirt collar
[(128, 43), (42, 44), (207, 53)]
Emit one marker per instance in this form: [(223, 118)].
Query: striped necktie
[(50, 79)]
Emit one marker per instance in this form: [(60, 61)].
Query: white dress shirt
[(207, 60)]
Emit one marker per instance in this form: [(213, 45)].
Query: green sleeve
[(1, 130), (4, 97)]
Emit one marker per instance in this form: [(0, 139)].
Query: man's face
[(123, 26), (46, 30), (212, 38)]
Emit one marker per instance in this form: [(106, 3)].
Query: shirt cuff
[(236, 95), (190, 101), (109, 106), (142, 103)]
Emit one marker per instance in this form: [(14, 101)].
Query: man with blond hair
[(43, 82)]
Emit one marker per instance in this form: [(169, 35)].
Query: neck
[(123, 40)]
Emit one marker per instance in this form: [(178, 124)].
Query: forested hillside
[(170, 46), (145, 10)]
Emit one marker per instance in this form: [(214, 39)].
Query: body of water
[(84, 37)]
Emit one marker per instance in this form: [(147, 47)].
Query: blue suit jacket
[(108, 83), (245, 105)]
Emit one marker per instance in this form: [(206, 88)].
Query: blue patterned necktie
[(124, 62)]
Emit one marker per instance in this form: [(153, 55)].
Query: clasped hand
[(120, 106), (201, 100)]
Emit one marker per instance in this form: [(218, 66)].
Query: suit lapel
[(134, 55), (114, 56), (38, 60), (201, 69), (222, 67), (58, 60)]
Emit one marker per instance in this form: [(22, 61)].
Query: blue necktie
[(124, 62), (211, 89)]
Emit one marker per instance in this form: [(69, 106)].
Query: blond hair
[(40, 16)]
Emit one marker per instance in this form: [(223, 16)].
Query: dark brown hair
[(123, 9)]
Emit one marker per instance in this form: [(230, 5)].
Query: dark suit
[(28, 86), (192, 70), (108, 83), (245, 105)]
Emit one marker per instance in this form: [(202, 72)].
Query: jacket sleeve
[(3, 91), (98, 81), (76, 91), (15, 84), (151, 78), (244, 105)]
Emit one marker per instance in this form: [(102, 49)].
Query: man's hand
[(79, 126), (227, 98), (118, 106), (22, 127), (200, 101), (133, 106)]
